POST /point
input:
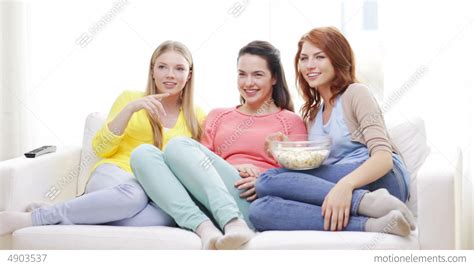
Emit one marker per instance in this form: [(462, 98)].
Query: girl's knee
[(264, 183), (178, 143), (176, 147), (132, 197), (256, 206), (258, 212), (142, 153), (267, 175), (274, 171)]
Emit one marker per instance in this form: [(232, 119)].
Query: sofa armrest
[(438, 200), (49, 178)]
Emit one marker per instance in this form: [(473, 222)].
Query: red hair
[(336, 47)]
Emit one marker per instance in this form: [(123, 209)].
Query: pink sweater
[(240, 138)]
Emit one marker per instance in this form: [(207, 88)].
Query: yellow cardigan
[(117, 149)]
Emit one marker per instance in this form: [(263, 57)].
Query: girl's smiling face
[(315, 66), (171, 72), (255, 80)]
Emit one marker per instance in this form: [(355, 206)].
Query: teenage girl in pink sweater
[(214, 181)]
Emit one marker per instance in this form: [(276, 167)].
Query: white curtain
[(13, 50)]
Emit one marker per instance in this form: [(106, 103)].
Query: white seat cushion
[(331, 240), (104, 237), (81, 237)]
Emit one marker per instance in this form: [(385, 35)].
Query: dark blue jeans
[(291, 200)]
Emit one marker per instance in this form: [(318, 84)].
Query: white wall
[(436, 37), (67, 81)]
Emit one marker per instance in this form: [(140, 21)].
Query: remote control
[(40, 151)]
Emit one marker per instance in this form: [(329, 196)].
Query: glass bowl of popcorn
[(296, 152)]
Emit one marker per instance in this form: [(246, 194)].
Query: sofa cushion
[(410, 138), (94, 122), (104, 237)]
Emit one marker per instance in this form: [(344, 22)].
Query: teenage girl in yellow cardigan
[(112, 195)]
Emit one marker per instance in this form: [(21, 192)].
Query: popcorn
[(300, 159)]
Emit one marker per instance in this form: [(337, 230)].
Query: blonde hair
[(187, 94)]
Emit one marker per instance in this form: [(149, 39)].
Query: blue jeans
[(292, 200), (113, 197), (189, 182)]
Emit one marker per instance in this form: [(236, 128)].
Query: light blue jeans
[(112, 197), (189, 182), (292, 200)]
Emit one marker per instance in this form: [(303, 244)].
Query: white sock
[(11, 221), (237, 233), (392, 223), (36, 205), (209, 234), (380, 202)]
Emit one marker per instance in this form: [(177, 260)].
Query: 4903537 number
[(27, 258)]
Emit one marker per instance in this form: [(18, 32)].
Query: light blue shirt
[(343, 149)]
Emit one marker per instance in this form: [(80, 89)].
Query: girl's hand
[(273, 137), (248, 184), (336, 207), (247, 170), (151, 104)]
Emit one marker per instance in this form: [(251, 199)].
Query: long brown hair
[(280, 93), (187, 94), (331, 41)]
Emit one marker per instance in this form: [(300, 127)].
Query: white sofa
[(61, 176)]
